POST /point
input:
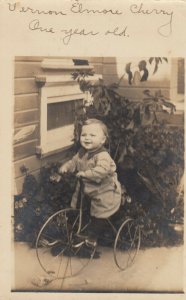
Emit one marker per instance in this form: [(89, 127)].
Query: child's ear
[(104, 140)]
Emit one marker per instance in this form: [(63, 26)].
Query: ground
[(155, 269)]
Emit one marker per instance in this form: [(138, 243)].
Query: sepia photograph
[(98, 174)]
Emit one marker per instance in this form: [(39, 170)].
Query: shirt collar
[(82, 152)]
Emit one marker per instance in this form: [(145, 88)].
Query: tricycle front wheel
[(56, 247)]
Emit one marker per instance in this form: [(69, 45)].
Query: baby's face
[(92, 137)]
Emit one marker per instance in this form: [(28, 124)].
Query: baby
[(98, 170)]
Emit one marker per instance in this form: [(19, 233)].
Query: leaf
[(147, 92), (157, 61), (107, 95), (107, 109), (98, 92), (147, 182), (130, 76), (155, 68), (130, 125), (127, 67), (122, 155), (96, 103), (142, 65), (165, 59), (169, 105), (151, 59), (75, 75), (145, 75), (128, 71), (105, 103)]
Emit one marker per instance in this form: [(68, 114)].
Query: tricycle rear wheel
[(127, 243)]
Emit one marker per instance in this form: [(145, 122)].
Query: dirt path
[(157, 269)]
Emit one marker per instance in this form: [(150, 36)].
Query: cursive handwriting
[(139, 9), (24, 9), (104, 12), (71, 32), (78, 8), (118, 32), (68, 33), (35, 25)]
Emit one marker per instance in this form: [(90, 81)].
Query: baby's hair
[(96, 121)]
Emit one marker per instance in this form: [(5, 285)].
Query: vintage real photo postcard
[(92, 134)]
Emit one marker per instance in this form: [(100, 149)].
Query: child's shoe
[(91, 243), (84, 239)]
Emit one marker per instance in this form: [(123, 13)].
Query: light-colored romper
[(100, 183)]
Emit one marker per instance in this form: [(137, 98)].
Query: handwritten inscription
[(118, 32), (79, 7), (35, 25), (27, 9), (140, 9), (67, 34), (72, 32)]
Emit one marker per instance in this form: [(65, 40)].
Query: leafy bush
[(149, 155)]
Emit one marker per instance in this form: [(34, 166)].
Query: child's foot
[(84, 239), (91, 243), (87, 242), (46, 243)]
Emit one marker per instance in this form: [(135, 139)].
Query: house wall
[(114, 68), (27, 112), (27, 103), (177, 87)]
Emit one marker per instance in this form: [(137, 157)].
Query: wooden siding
[(25, 149), (20, 180), (26, 117), (25, 86), (33, 163), (180, 77), (33, 136), (137, 93), (27, 112), (26, 102)]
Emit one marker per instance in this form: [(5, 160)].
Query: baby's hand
[(63, 169), (80, 174), (55, 177)]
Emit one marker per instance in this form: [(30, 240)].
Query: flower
[(19, 227)]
